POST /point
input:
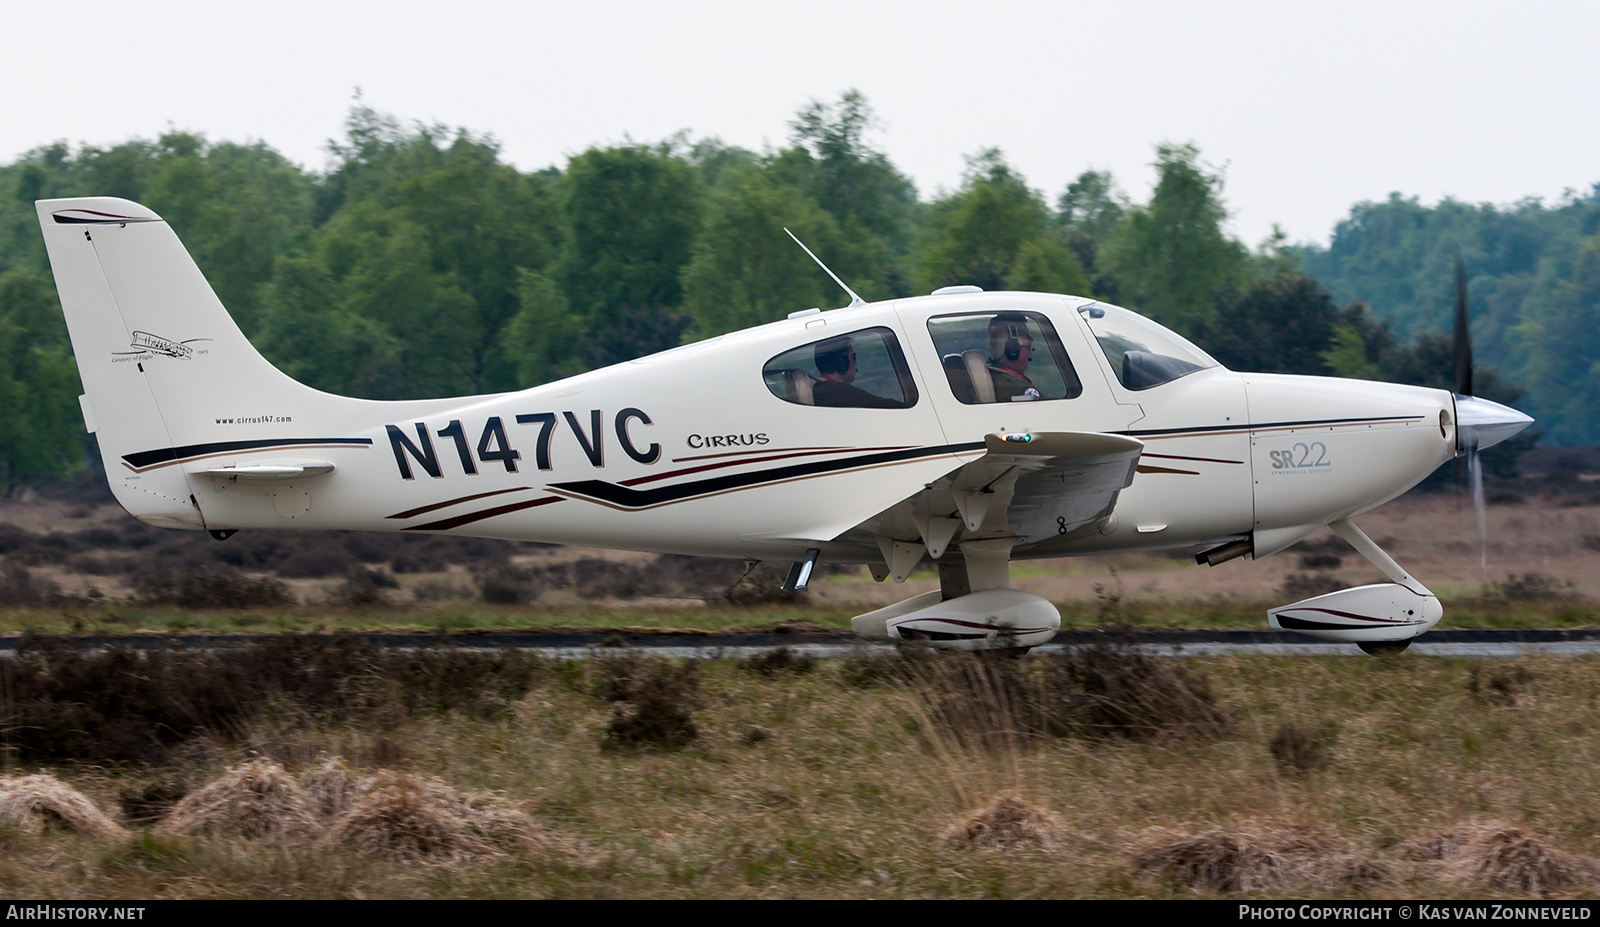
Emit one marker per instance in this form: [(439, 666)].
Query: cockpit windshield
[(1142, 353)]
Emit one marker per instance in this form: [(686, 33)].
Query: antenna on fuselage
[(854, 299)]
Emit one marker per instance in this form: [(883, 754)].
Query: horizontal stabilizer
[(274, 470)]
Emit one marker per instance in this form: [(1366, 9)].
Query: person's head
[(1009, 341), (836, 359)]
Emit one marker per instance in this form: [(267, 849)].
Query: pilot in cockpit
[(1010, 349)]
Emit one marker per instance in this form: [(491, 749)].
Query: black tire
[(1379, 648)]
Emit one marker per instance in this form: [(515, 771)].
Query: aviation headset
[(1013, 347), (833, 356), (1014, 326)]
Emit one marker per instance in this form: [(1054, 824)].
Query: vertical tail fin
[(162, 363)]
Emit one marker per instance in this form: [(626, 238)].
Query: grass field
[(82, 568), (1112, 776)]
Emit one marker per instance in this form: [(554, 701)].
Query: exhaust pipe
[(1232, 550)]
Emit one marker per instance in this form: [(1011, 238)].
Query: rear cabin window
[(1003, 357), (858, 370)]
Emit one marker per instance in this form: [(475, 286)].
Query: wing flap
[(1028, 488), (1063, 480)]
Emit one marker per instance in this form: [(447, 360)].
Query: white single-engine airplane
[(964, 427)]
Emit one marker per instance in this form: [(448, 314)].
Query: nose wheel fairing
[(1392, 611), (1379, 612)]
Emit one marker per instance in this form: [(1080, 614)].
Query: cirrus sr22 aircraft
[(966, 428)]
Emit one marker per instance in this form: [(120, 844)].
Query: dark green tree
[(632, 213), (1087, 213), (1045, 265), (993, 233), (41, 428), (874, 205), (1282, 324), (745, 270), (1561, 337), (1172, 259), (313, 336), (538, 344), (423, 236)]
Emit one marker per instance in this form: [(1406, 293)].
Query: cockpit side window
[(1003, 357), (858, 370), (1142, 353)]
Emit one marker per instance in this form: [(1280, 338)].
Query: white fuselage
[(689, 451)]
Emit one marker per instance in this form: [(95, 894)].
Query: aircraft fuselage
[(690, 451)]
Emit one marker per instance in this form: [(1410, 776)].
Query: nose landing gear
[(1380, 619)]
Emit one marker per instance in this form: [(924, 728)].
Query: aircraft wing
[(1029, 489)]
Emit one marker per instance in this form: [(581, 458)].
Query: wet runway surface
[(573, 644)]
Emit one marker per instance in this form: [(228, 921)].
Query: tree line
[(420, 264)]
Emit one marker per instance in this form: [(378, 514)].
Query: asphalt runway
[(578, 644)]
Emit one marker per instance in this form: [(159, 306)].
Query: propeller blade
[(1463, 339), (1475, 469), (1488, 423)]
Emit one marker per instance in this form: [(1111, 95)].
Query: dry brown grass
[(331, 787), (402, 816), (846, 794), (1502, 856), (40, 802), (1008, 822), (1253, 856), (253, 799), (1122, 691)]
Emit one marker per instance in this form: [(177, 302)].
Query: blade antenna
[(855, 300)]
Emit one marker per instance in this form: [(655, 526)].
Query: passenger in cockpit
[(836, 364), (1010, 350)]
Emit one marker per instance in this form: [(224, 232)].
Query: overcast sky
[(1309, 107)]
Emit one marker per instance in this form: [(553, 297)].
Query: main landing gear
[(975, 607)]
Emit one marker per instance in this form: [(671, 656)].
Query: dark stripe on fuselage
[(628, 498), (765, 450), (425, 509), (722, 465), (445, 524), (1181, 457), (144, 460), (1264, 426)]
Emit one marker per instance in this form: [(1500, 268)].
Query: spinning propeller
[(1480, 423)]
